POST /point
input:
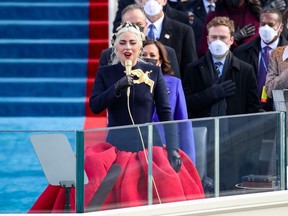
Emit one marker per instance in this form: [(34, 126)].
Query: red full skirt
[(131, 186)]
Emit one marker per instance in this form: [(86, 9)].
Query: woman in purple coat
[(155, 53)]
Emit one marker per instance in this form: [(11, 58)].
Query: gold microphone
[(128, 68)]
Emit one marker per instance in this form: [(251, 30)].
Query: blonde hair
[(222, 20), (125, 27)]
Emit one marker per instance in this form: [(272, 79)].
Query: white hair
[(126, 27), (138, 34)]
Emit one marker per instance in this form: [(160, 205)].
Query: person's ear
[(232, 40), (280, 28)]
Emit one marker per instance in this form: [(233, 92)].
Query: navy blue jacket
[(142, 104)]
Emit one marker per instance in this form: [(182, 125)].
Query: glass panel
[(226, 156), (126, 185), (250, 153), (116, 167), (22, 179), (188, 182), (229, 156), (204, 140)]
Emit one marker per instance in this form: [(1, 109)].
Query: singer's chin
[(128, 59)]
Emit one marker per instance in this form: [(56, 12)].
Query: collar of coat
[(230, 62)]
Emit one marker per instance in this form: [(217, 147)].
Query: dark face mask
[(233, 3), (150, 61)]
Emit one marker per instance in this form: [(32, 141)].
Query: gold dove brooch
[(143, 78)]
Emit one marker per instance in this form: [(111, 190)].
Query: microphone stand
[(128, 67), (67, 185)]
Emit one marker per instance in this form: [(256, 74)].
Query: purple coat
[(179, 112)]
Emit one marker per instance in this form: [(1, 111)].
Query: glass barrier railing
[(221, 156), (22, 179), (246, 153), (233, 155)]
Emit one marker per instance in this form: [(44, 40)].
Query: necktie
[(151, 32), (217, 68), (263, 67), (211, 8)]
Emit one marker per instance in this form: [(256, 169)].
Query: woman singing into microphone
[(110, 91), (175, 177)]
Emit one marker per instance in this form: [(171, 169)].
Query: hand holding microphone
[(125, 81)]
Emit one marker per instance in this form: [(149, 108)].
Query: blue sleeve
[(164, 112), (185, 131)]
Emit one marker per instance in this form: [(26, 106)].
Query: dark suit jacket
[(169, 11), (121, 5), (180, 37), (198, 9), (200, 14), (105, 59), (200, 96), (250, 52), (175, 14)]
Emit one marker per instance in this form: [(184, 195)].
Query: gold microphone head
[(128, 66)]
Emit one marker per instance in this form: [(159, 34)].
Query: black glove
[(279, 5), (246, 31), (174, 159), (224, 89), (123, 83)]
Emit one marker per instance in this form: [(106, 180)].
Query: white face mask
[(152, 7), (267, 33), (218, 48)]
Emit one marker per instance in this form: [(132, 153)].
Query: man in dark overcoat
[(219, 84)]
